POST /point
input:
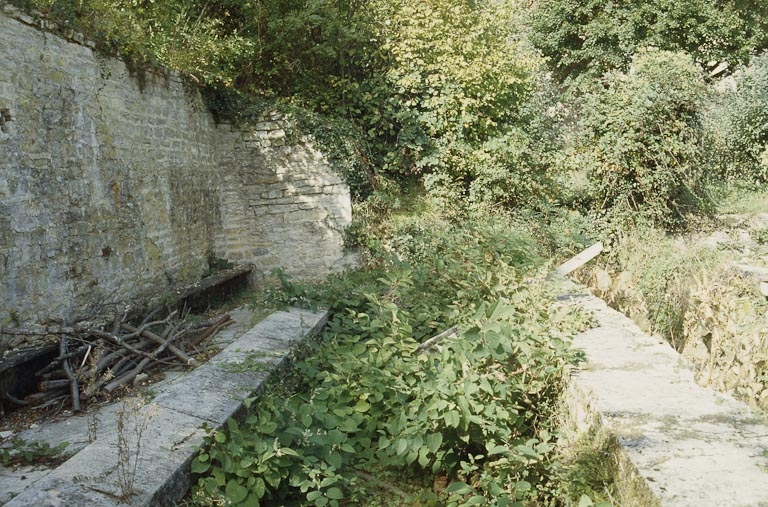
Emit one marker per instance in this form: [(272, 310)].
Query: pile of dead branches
[(95, 360)]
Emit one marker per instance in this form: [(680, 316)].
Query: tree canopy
[(588, 38)]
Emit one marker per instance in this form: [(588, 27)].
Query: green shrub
[(192, 37), (738, 125), (640, 140), (464, 96), (478, 408)]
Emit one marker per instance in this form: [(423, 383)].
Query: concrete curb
[(673, 442), (209, 394)]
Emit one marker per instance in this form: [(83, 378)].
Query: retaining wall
[(113, 188), (666, 441)]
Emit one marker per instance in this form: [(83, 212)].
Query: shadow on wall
[(112, 192)]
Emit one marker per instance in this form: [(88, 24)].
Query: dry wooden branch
[(73, 384), (93, 359), (580, 259), (42, 397), (47, 385), (183, 357), (124, 379), (426, 345), (56, 361), (120, 342), (132, 374), (214, 328), (4, 395)]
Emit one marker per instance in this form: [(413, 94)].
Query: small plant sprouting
[(132, 421), (31, 453), (92, 420)]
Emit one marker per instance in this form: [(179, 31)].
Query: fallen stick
[(116, 340), (132, 374), (56, 360), (74, 386), (171, 348), (9, 397), (426, 345), (42, 397), (47, 385), (212, 330), (127, 377)]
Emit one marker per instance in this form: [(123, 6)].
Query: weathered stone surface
[(676, 444), (210, 394), (112, 189)]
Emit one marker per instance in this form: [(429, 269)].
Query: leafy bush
[(478, 408), (190, 36), (640, 140), (738, 125), (462, 102)]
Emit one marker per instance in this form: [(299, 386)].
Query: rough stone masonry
[(114, 188)]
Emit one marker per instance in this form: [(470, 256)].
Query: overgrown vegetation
[(737, 126), (640, 140), (429, 85), (476, 409), (22, 452), (458, 124), (585, 39)]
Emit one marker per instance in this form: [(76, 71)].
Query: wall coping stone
[(676, 444), (210, 394)]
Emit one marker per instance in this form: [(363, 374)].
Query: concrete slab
[(675, 443), (171, 424)]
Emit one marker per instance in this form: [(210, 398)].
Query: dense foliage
[(477, 409), (737, 125), (464, 91), (641, 138), (441, 88), (585, 39)]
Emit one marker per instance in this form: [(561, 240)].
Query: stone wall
[(283, 206), (112, 189)]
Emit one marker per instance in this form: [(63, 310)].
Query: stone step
[(673, 442), (207, 395)]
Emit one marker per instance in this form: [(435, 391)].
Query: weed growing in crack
[(132, 421), (92, 421)]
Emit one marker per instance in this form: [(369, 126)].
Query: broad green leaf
[(235, 492), (334, 493), (458, 487)]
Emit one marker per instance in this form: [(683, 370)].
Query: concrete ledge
[(673, 442), (209, 394)]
